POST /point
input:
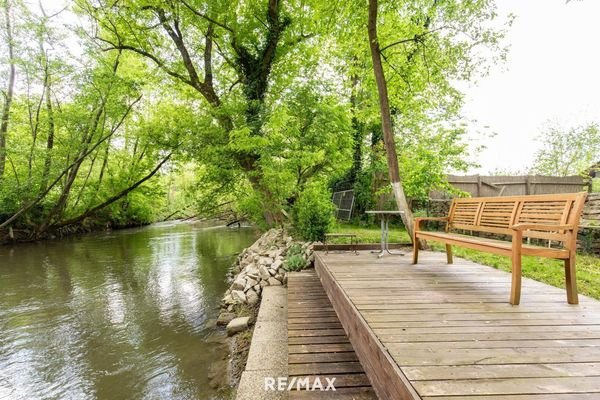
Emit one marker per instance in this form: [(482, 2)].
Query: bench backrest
[(498, 214)]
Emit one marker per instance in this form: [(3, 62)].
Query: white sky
[(552, 74)]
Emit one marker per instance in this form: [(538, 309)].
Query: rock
[(230, 308), (263, 284), (277, 263), (251, 271), (274, 282), (281, 271), (239, 283), (252, 297), (284, 279), (272, 271), (250, 282), (225, 318), (228, 299), (257, 288), (265, 261), (237, 325), (238, 296), (264, 272)]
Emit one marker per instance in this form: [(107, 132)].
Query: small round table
[(385, 232)]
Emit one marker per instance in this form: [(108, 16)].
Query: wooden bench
[(551, 217)]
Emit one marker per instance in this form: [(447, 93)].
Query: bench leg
[(415, 250), (449, 254), (515, 291), (571, 280)]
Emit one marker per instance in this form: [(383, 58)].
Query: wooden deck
[(317, 344), (438, 331)]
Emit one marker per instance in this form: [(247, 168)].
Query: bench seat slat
[(501, 246)]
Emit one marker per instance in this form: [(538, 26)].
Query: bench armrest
[(541, 227), (418, 221)]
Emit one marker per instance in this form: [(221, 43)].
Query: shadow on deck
[(434, 331)]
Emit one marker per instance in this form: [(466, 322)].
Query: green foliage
[(260, 121), (295, 258), (295, 250), (314, 212), (295, 262), (427, 154), (567, 152)]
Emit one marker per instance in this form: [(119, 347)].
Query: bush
[(295, 258), (295, 262), (314, 213)]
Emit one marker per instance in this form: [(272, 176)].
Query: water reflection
[(114, 316)]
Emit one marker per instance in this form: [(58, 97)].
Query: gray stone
[(238, 296), (228, 299), (237, 325), (251, 271), (274, 282), (265, 261), (277, 264), (263, 284), (252, 297), (251, 282), (272, 271), (257, 288), (264, 272), (225, 318), (239, 283)]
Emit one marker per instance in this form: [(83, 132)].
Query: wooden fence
[(491, 186)]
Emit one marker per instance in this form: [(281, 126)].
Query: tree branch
[(148, 55), (206, 17), (114, 198)]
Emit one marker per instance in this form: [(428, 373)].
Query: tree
[(567, 152), (386, 122), (428, 46), (242, 45)]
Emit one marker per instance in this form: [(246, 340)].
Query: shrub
[(295, 262), (295, 258), (314, 213)]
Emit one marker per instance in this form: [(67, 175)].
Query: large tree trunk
[(9, 90), (386, 122)]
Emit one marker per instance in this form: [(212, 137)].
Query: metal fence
[(344, 203)]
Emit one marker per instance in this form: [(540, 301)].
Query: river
[(121, 315)]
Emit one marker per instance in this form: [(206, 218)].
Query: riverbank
[(23, 235), (264, 264)]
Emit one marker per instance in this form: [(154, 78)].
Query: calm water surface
[(122, 315)]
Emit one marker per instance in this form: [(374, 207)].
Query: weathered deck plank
[(438, 331), (318, 345)]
